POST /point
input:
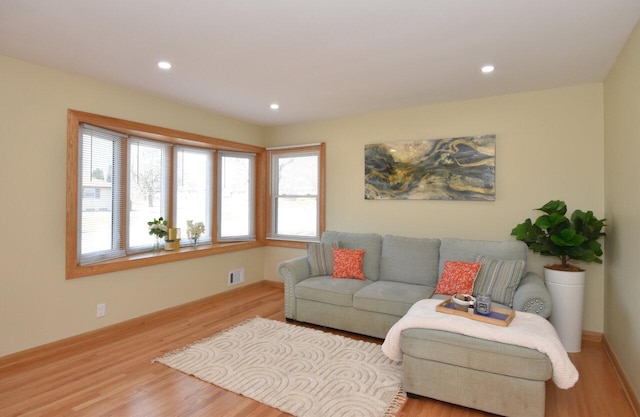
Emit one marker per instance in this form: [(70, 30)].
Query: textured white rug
[(300, 371)]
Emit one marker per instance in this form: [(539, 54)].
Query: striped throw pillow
[(498, 279), (320, 257)]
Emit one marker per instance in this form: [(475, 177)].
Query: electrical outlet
[(236, 276), (101, 310)]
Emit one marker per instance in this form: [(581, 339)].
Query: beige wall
[(622, 138), (549, 146), (37, 304)]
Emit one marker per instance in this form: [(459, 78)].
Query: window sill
[(293, 244), (143, 259)]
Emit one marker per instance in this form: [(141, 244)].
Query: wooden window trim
[(283, 243), (75, 118)]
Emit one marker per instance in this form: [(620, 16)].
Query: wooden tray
[(498, 316)]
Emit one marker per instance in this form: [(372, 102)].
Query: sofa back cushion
[(410, 260), (370, 242), (469, 250)]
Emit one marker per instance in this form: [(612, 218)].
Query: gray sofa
[(490, 376)]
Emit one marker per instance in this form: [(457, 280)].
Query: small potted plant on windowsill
[(158, 228), (575, 238), (194, 230)]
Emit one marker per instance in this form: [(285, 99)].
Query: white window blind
[(102, 201), (236, 196)]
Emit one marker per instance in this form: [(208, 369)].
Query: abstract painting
[(461, 168)]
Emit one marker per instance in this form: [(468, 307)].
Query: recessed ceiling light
[(487, 69), (165, 65), (274, 106)]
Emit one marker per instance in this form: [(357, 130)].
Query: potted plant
[(158, 228), (575, 238), (553, 234)]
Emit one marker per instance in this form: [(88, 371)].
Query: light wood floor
[(109, 372)]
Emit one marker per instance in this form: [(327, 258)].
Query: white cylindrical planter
[(567, 295)]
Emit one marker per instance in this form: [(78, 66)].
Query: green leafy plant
[(158, 227), (553, 234)]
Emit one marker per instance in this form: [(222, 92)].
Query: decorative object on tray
[(498, 315), (483, 304), (463, 302), (553, 234), (194, 230), (157, 228)]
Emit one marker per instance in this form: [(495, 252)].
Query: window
[(148, 188), (194, 192), (100, 155), (124, 174), (297, 193), (235, 196)]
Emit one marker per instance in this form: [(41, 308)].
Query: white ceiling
[(321, 58)]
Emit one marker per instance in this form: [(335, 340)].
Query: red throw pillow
[(347, 263), (458, 277)]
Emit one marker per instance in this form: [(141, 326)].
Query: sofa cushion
[(387, 297), (331, 291), (370, 242), (470, 352), (320, 257), (458, 277), (499, 279), (468, 250), (409, 260)]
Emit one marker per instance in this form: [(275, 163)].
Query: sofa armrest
[(292, 272), (532, 296)]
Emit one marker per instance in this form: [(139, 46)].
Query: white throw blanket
[(526, 329)]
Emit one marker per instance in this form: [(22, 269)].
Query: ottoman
[(490, 376)]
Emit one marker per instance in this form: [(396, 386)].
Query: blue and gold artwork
[(461, 168)]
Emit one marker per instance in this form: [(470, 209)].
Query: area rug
[(301, 371)]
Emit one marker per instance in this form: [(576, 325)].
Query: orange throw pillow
[(347, 263), (458, 277)]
